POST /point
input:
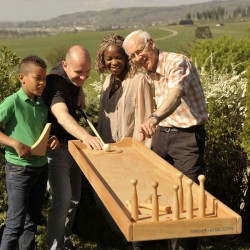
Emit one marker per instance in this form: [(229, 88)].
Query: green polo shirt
[(23, 120)]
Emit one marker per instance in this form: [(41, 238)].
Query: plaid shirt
[(176, 70)]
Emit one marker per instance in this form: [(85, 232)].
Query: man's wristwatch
[(156, 117)]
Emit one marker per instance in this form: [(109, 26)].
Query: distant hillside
[(130, 17), (141, 16)]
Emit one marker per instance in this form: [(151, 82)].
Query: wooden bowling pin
[(176, 212), (189, 200), (134, 200), (201, 179), (180, 192), (155, 202)]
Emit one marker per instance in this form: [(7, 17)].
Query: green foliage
[(246, 146), (92, 92), (246, 130), (9, 84), (214, 14), (203, 32), (226, 164), (41, 237), (8, 76), (186, 22), (56, 55), (225, 51)]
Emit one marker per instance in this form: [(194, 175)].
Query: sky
[(37, 10)]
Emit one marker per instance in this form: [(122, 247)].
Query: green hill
[(132, 17), (128, 17)]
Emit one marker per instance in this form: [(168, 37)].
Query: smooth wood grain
[(110, 176)]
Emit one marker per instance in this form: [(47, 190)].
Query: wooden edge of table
[(103, 190), (161, 163), (228, 223), (189, 228)]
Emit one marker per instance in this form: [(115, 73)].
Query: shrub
[(226, 164), (246, 131), (8, 72), (203, 32), (9, 84), (246, 146), (223, 64), (225, 52)]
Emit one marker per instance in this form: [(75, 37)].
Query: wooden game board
[(132, 177)]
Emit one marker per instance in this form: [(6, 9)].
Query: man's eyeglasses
[(138, 52)]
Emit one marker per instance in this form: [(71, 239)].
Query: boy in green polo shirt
[(23, 116)]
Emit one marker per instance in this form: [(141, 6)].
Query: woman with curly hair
[(127, 98), (126, 101)]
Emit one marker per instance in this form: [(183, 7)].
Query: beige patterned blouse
[(121, 115)]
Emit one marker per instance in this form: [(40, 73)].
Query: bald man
[(63, 94)]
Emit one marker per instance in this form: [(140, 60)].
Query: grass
[(179, 43), (42, 45)]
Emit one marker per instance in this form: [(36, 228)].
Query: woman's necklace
[(116, 83)]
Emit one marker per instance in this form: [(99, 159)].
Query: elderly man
[(177, 124)]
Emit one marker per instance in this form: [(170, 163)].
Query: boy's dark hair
[(32, 59)]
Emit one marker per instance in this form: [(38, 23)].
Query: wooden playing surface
[(110, 174)]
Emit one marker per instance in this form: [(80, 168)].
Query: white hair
[(138, 34)]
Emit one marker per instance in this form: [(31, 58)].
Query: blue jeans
[(26, 187), (65, 179)]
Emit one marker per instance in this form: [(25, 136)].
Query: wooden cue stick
[(90, 124)]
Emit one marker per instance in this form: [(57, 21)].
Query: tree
[(186, 22), (188, 16), (203, 32)]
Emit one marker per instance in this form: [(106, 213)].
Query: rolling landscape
[(175, 38), (25, 38), (89, 27)]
